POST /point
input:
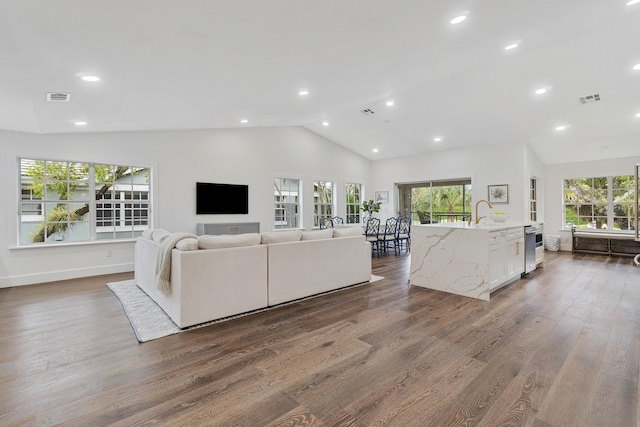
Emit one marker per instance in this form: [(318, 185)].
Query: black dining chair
[(389, 236), (403, 232), (325, 223), (336, 220), (371, 233)]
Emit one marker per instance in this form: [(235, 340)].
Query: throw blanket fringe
[(163, 263)]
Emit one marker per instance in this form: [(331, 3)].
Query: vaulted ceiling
[(200, 64)]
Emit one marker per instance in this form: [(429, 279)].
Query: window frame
[(533, 199), (288, 222), (609, 207), (353, 209), (80, 195), (323, 209)]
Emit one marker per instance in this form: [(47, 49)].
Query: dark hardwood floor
[(561, 348)]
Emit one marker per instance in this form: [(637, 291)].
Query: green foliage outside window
[(445, 202), (599, 203), (63, 188)]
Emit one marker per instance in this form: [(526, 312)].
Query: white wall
[(493, 164), (178, 159), (554, 176)]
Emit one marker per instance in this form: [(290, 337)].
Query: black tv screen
[(221, 198)]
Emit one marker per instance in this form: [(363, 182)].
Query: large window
[(72, 201), (436, 201), (286, 202), (353, 194), (600, 203), (322, 201)]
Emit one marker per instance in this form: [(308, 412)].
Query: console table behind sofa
[(217, 228), (604, 243)]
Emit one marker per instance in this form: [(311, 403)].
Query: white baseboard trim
[(53, 276)]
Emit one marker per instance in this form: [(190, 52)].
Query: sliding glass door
[(436, 201), (636, 215)]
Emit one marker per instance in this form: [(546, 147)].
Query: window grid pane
[(353, 200), (599, 203), (533, 211), (286, 202), (69, 212), (323, 201)]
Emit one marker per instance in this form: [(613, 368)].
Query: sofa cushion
[(317, 234), (188, 244), (281, 236), (228, 240), (159, 235), (348, 231)]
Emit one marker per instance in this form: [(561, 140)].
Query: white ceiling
[(198, 64)]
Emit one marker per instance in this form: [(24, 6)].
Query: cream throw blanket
[(163, 263)]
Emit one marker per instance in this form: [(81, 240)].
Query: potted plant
[(370, 207)]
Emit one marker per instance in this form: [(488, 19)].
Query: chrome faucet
[(478, 218)]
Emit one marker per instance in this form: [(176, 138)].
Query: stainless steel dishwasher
[(529, 249)]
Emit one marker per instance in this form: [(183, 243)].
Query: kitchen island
[(467, 259)]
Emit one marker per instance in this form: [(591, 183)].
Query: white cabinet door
[(515, 257), (539, 255), (506, 256), (497, 259)]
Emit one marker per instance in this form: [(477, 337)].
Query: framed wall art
[(382, 196), (498, 193)]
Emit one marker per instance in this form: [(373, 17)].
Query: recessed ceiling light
[(390, 103), (91, 78), (541, 91), (638, 115), (637, 66), (243, 121), (458, 19), (80, 123), (303, 92), (633, 2), (325, 123), (437, 139), (375, 150), (560, 128), (511, 46)]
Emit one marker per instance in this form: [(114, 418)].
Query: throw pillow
[(317, 234), (281, 236), (148, 234), (159, 235), (188, 244), (348, 231), (228, 240)]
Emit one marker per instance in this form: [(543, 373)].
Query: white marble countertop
[(489, 225)]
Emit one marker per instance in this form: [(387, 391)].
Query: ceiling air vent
[(58, 97), (367, 111), (589, 99)]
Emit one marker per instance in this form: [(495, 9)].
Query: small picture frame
[(498, 193), (382, 197)]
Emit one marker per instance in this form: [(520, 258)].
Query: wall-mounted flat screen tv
[(221, 198)]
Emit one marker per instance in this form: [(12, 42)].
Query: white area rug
[(148, 320)]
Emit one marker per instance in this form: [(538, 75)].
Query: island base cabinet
[(515, 258), (472, 260), (506, 256), (497, 259)]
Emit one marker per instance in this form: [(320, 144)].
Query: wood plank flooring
[(561, 348)]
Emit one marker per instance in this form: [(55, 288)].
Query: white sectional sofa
[(308, 267), (213, 277)]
